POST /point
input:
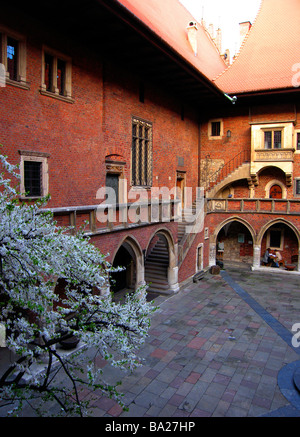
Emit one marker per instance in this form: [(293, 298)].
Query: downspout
[(199, 154)]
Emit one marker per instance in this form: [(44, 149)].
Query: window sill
[(31, 198), (141, 187), (215, 138), (22, 85), (57, 96)]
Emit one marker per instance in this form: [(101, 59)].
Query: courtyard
[(221, 347)]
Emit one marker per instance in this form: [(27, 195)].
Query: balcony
[(105, 218), (250, 206), (274, 155), (272, 144)]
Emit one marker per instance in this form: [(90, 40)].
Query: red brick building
[(109, 94), (250, 154), (121, 95)]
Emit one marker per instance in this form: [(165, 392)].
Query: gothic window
[(141, 153)]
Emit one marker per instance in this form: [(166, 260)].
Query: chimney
[(192, 35), (244, 29)]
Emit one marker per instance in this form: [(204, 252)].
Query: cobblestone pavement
[(218, 348)]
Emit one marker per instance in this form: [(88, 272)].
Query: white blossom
[(34, 254)]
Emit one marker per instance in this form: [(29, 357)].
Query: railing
[(227, 169), (274, 155), (103, 218), (262, 206)]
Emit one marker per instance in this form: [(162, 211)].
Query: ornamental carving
[(219, 205), (274, 155), (114, 168)]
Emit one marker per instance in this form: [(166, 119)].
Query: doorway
[(276, 192), (180, 185), (112, 181)]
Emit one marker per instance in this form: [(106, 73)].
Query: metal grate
[(141, 153), (32, 178)]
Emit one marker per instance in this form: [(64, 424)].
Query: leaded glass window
[(141, 153)]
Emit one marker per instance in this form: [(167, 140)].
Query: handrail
[(228, 168)]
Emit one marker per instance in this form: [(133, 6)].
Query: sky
[(226, 14)]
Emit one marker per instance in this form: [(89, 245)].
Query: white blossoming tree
[(34, 254)]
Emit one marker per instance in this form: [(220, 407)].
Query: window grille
[(141, 153), (33, 178)]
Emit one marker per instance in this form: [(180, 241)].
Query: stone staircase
[(241, 172), (237, 168), (157, 261), (156, 269)]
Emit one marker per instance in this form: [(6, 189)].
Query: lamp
[(229, 134)]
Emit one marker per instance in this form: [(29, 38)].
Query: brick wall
[(80, 135)]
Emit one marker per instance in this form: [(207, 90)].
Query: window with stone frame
[(273, 139), (141, 161), (56, 75), (215, 129), (298, 141), (34, 174), (297, 188), (13, 57)]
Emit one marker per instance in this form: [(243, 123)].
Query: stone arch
[(219, 227), (264, 229), (131, 245), (172, 250), (281, 220), (214, 235), (171, 244), (273, 182)]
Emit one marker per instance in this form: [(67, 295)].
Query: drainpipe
[(199, 154)]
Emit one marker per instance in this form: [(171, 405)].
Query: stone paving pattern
[(210, 355)]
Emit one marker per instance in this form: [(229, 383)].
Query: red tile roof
[(169, 19), (269, 52)]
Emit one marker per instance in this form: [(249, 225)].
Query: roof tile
[(169, 20), (269, 52)]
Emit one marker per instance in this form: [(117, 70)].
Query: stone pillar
[(140, 273), (173, 278), (256, 256), (212, 254)]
